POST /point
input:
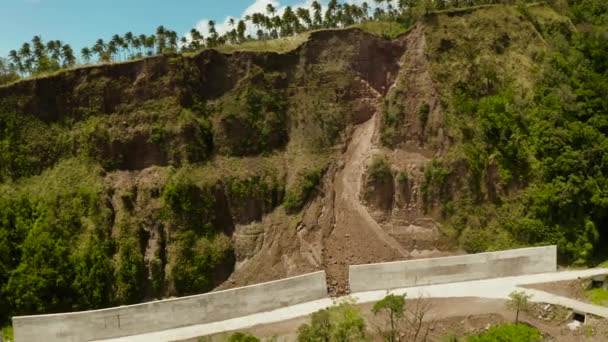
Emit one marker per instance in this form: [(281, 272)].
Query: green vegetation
[(386, 29), (240, 337), (380, 169), (8, 73), (394, 307), (598, 296), (7, 333), (340, 323), (530, 137), (518, 301), (253, 118), (303, 189), (507, 333)]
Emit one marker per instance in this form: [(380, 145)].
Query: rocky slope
[(221, 170)]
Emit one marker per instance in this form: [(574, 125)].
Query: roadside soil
[(454, 317), (574, 289)]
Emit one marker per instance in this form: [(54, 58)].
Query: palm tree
[(196, 39), (55, 50), (257, 19), (118, 43), (365, 10), (276, 23), (112, 50), (67, 55), (39, 50), (304, 14), (330, 13), (16, 61), (150, 43), (246, 19), (172, 37), (160, 39), (86, 54), (241, 28), (142, 41), (318, 16), (137, 44), (212, 40), (270, 10), (129, 39), (99, 49)]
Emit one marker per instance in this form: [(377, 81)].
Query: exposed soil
[(574, 289), (356, 237), (337, 229), (456, 317)]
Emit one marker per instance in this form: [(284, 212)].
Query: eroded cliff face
[(222, 170)]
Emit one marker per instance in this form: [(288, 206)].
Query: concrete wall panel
[(409, 273), (172, 313)]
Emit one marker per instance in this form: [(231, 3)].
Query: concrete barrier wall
[(399, 274), (172, 313)]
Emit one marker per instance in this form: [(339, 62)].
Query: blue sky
[(81, 22)]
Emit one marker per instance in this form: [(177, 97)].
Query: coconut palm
[(86, 54), (317, 15), (304, 15), (129, 39), (99, 49), (39, 49), (137, 44), (16, 61), (150, 44), (67, 56), (212, 40), (160, 39), (241, 28), (172, 40), (142, 41)]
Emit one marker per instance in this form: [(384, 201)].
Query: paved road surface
[(498, 288)]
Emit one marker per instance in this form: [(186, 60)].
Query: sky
[(81, 22)]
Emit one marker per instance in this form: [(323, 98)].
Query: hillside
[(477, 129)]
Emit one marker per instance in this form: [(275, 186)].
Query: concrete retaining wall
[(172, 313), (399, 274)]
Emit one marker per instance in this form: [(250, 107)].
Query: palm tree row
[(38, 57)]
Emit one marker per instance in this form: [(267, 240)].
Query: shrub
[(508, 333), (340, 323), (379, 169), (303, 190), (240, 337)]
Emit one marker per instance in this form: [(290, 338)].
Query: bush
[(508, 333), (379, 169), (240, 337), (340, 323), (303, 190)]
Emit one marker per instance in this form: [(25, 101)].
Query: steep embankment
[(176, 175)]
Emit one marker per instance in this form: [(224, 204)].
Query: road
[(497, 288)]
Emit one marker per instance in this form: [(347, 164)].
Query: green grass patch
[(7, 333), (598, 296), (508, 332), (280, 45), (386, 29)]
